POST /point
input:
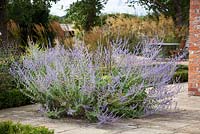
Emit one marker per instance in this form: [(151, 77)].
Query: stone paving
[(184, 120)]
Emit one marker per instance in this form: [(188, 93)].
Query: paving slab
[(184, 120)]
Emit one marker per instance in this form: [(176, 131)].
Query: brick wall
[(194, 48)]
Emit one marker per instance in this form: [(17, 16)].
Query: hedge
[(9, 127), (181, 73), (13, 98), (10, 96)]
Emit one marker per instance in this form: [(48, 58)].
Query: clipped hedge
[(13, 98), (10, 96), (181, 73), (9, 127)]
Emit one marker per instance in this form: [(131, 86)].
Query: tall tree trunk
[(178, 18), (3, 24)]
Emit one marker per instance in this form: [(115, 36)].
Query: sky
[(113, 6)]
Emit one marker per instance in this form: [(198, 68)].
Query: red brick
[(194, 48), (193, 89)]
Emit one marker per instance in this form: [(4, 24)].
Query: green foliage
[(6, 80), (117, 15), (181, 73), (85, 13), (99, 86), (75, 101), (182, 67), (10, 96), (3, 27), (27, 13), (56, 18), (177, 9), (13, 98), (9, 127)]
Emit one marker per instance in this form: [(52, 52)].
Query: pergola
[(194, 48)]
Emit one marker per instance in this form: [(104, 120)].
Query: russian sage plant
[(102, 85)]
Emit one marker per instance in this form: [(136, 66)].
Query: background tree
[(28, 13), (177, 9), (85, 13), (3, 22)]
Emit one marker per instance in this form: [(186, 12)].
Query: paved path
[(185, 120)]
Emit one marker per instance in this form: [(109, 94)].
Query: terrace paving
[(184, 120)]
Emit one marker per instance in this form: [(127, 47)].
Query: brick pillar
[(194, 48)]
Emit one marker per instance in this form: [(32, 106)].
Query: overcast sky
[(113, 6)]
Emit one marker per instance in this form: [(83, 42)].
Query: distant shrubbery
[(102, 85), (134, 29)]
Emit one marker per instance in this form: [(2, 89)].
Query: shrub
[(13, 98), (102, 85), (181, 73), (9, 127), (6, 80), (10, 96)]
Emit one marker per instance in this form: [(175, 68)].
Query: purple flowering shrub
[(102, 85)]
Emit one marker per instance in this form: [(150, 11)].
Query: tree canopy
[(27, 13), (177, 9), (3, 27), (23, 12), (85, 13)]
